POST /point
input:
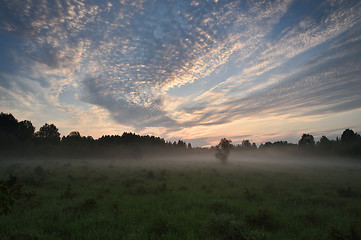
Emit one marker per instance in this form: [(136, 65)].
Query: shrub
[(263, 218), (251, 196), (150, 174), (141, 190), (39, 171), (116, 208), (183, 188), (352, 233), (88, 204), (161, 188), (68, 193), (10, 190), (223, 149), (348, 193), (221, 207), (6, 199), (159, 226), (224, 226)]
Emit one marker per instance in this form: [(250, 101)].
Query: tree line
[(19, 138), (348, 145)]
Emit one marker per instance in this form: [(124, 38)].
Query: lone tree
[(48, 133), (307, 141), (349, 137), (222, 150)]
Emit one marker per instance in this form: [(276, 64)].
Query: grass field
[(178, 199)]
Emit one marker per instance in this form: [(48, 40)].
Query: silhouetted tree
[(73, 137), (48, 133), (8, 132), (307, 141), (8, 129), (25, 130), (8, 124), (325, 145), (265, 145), (13, 133), (222, 150), (254, 146), (350, 143), (74, 134), (324, 141), (278, 145), (246, 144), (349, 137), (182, 144)]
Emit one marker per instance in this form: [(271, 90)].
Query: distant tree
[(349, 137), (351, 143), (73, 137), (48, 133), (324, 140), (279, 145), (8, 124), (326, 145), (265, 145), (89, 139), (25, 130), (182, 144), (222, 150), (254, 146), (189, 146), (74, 134), (246, 144), (8, 132), (307, 141)]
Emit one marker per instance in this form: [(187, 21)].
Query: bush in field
[(48, 133), (6, 199), (348, 192), (9, 191), (68, 193), (221, 207), (161, 188), (263, 218), (307, 141), (249, 195), (352, 233), (224, 226), (116, 208), (159, 226), (88, 204), (222, 150)]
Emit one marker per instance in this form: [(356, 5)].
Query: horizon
[(196, 71), (175, 141)]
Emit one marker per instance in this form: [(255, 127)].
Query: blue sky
[(192, 70)]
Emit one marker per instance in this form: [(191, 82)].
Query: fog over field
[(269, 160), (180, 119)]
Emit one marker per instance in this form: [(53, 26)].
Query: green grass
[(142, 200)]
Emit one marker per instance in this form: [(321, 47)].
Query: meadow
[(251, 197)]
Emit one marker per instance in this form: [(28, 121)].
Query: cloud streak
[(137, 58)]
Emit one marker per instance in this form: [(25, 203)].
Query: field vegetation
[(144, 187), (251, 197)]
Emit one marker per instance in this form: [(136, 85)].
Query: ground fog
[(254, 196)]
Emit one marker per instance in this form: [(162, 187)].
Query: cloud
[(251, 58), (317, 73)]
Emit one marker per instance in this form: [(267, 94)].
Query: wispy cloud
[(244, 58)]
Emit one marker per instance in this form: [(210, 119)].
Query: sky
[(194, 70)]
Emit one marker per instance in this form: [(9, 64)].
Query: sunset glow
[(191, 70)]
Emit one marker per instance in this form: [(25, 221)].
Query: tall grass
[(87, 200)]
